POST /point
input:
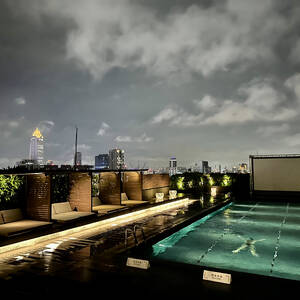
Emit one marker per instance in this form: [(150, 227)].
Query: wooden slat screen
[(155, 183), (151, 181), (110, 188), (38, 197), (132, 185), (80, 192)]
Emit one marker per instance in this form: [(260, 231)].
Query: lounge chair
[(62, 212), (101, 208), (129, 202), (12, 223)]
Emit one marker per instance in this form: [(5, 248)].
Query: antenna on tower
[(75, 154)]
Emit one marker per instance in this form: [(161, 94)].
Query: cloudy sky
[(212, 80)]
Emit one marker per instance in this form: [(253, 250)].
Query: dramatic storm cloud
[(199, 80)]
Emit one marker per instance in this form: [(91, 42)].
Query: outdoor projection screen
[(276, 174)]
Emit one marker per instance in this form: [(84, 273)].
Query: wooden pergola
[(133, 182)]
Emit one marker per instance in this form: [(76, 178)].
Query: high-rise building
[(36, 150), (205, 167), (116, 159), (102, 161), (172, 166), (78, 159)]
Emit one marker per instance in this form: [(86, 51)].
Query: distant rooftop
[(275, 156)]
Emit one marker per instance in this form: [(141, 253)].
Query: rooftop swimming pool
[(258, 238)]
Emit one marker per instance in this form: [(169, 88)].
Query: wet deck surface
[(79, 265)]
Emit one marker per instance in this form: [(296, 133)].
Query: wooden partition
[(110, 188), (80, 196), (132, 185), (155, 183), (38, 203)]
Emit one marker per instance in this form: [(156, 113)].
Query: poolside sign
[(217, 277), (138, 263)]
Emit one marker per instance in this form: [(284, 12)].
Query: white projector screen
[(276, 174)]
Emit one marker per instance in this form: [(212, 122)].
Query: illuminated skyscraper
[(36, 150), (116, 159)]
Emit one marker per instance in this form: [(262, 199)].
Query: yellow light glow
[(37, 133)]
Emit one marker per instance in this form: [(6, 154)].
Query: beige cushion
[(63, 207), (12, 215), (107, 208), (123, 197), (68, 216), (96, 201), (19, 226), (133, 202)]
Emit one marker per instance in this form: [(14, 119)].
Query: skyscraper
[(36, 150), (116, 159), (78, 161), (205, 167), (172, 166), (102, 161)]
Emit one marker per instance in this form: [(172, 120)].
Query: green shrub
[(11, 191), (201, 183), (60, 188), (95, 185)]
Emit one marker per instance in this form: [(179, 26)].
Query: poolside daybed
[(62, 212), (101, 208), (12, 222), (130, 202)]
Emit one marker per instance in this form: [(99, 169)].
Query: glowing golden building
[(36, 150)]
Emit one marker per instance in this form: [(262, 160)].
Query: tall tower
[(36, 150), (116, 159), (172, 166)]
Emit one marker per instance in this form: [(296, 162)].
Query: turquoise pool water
[(260, 238)]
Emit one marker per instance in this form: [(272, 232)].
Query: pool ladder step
[(133, 231)]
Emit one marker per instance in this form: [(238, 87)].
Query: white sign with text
[(217, 277), (137, 263)]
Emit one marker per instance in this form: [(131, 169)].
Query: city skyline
[(115, 159), (210, 80)]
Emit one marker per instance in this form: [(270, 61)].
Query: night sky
[(198, 80)]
